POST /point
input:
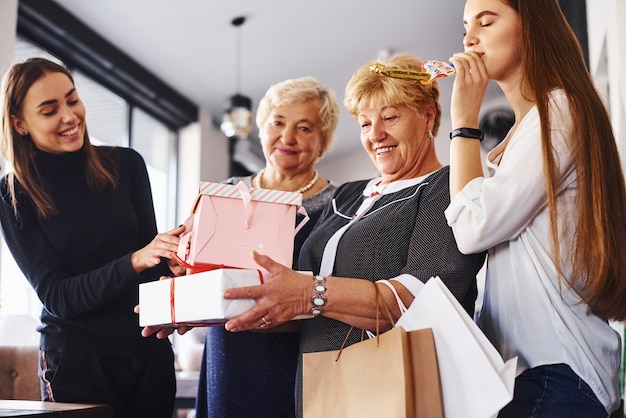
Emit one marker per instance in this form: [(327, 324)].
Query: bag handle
[(379, 297), (244, 192), (248, 210), (401, 304), (185, 237), (302, 211)]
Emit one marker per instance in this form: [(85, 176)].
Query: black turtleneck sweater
[(78, 260)]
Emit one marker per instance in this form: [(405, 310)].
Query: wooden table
[(186, 390), (13, 408)]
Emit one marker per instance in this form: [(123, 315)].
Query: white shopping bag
[(476, 382)]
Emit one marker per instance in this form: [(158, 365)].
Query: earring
[(430, 135)]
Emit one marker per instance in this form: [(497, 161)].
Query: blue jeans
[(552, 391)]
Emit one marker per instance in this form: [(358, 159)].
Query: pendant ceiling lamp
[(237, 119)]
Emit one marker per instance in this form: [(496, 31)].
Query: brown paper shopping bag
[(394, 375), (476, 381)]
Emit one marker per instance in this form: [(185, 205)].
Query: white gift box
[(195, 299)]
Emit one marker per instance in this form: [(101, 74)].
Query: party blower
[(432, 70)]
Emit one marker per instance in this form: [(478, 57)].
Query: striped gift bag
[(229, 221)]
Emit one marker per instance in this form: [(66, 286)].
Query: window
[(16, 294), (157, 144), (107, 113)]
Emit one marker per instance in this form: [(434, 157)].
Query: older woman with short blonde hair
[(389, 227)]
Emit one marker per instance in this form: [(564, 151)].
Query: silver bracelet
[(319, 295)]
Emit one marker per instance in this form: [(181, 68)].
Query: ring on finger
[(265, 322)]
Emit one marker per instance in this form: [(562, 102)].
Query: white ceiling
[(191, 44)]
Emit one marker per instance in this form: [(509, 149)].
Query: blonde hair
[(366, 87), (301, 90)]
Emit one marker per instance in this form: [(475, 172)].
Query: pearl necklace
[(259, 178)]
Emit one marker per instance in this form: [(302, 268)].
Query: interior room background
[(180, 152)]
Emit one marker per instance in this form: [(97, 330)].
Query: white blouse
[(527, 311)]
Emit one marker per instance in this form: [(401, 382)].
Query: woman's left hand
[(468, 89), (284, 296), (160, 247), (162, 332), (176, 268)]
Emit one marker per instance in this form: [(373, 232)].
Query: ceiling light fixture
[(237, 119)]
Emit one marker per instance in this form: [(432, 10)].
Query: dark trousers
[(552, 391), (247, 375), (142, 385)]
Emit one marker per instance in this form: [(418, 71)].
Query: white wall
[(203, 156), (607, 63), (8, 25), (607, 60)]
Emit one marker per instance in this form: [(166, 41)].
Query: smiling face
[(493, 31), (292, 137), (53, 114), (396, 139)]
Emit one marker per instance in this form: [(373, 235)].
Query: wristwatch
[(467, 133)]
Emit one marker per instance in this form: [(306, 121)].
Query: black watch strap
[(467, 133)]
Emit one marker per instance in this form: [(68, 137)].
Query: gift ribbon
[(302, 211), (248, 210), (194, 269), (202, 267)]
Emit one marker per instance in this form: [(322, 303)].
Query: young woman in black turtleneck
[(80, 223)]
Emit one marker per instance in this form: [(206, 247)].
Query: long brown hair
[(19, 150), (552, 59)]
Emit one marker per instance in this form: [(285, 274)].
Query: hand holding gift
[(276, 301), (226, 224), (160, 247)]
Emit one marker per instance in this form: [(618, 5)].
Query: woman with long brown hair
[(80, 223), (551, 209)]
